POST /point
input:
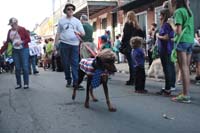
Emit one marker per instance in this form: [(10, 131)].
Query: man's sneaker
[(68, 85), (36, 72), (18, 87), (173, 88), (129, 82), (182, 98), (26, 86), (198, 82), (164, 92)]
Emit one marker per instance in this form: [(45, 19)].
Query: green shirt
[(88, 32), (105, 46), (117, 44), (49, 48), (182, 17), (9, 50)]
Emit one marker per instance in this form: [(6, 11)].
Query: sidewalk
[(123, 68)]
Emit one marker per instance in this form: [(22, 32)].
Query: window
[(104, 23), (157, 16), (94, 26), (142, 19)]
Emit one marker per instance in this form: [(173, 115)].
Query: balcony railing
[(79, 3)]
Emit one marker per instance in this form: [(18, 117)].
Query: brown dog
[(104, 62)]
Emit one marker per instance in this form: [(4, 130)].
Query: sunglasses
[(70, 9)]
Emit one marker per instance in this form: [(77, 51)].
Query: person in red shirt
[(19, 37)]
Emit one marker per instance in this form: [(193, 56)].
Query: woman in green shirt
[(184, 24)]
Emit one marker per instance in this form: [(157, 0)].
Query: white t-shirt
[(66, 29), (15, 37)]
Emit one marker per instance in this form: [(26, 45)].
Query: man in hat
[(19, 37), (68, 36)]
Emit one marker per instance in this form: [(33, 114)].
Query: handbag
[(155, 53), (125, 49), (9, 49), (176, 42)]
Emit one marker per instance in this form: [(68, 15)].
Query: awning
[(133, 5), (93, 7)]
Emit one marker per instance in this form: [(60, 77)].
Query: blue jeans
[(70, 58), (169, 71), (33, 63), (21, 60), (131, 68)]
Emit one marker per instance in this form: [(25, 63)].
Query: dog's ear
[(97, 59), (95, 63)]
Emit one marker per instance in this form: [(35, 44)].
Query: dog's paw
[(87, 105), (112, 109)]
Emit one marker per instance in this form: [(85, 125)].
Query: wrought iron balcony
[(90, 7)]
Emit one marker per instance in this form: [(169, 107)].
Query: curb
[(151, 78), (126, 72)]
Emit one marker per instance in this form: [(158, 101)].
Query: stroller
[(9, 64), (6, 64), (1, 63)]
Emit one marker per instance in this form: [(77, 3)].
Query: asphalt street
[(47, 107)]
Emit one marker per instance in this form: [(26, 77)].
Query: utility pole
[(60, 8), (53, 9), (88, 12)]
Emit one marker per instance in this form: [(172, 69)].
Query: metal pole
[(60, 8), (88, 12), (53, 8)]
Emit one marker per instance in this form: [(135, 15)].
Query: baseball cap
[(104, 38), (84, 17), (12, 21)]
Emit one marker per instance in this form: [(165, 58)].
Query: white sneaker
[(173, 89), (198, 82)]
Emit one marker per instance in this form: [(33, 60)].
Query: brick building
[(110, 14)]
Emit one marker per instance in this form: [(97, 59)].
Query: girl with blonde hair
[(132, 18)]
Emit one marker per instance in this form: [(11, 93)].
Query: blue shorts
[(185, 47)]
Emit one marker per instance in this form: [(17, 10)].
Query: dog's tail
[(150, 71)]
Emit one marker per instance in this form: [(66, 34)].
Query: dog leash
[(90, 50)]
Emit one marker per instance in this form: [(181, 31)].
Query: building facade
[(110, 15)]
